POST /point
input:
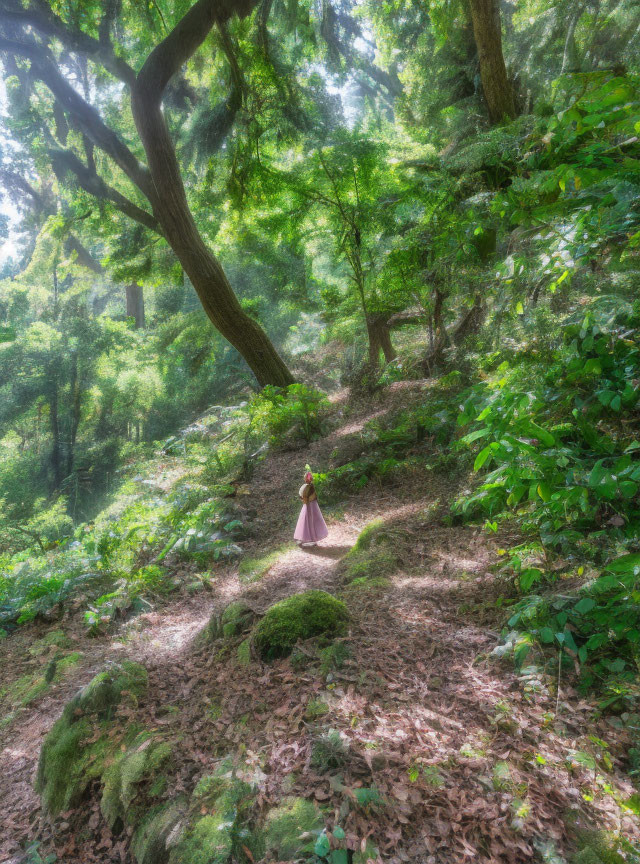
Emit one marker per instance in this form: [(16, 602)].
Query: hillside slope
[(415, 743)]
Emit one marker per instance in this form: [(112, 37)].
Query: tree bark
[(56, 450), (498, 93), (379, 340), (172, 209), (135, 304)]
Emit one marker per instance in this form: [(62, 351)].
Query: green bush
[(298, 410)]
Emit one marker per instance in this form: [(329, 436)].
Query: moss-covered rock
[(222, 834), (74, 752), (149, 843), (312, 613), (597, 847), (236, 619), (372, 559), (290, 830), (134, 779)]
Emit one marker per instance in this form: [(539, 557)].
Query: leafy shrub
[(298, 410), (598, 628)]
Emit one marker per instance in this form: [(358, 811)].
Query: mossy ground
[(291, 828), (133, 779), (253, 569), (30, 687), (371, 560), (302, 616), (77, 747)]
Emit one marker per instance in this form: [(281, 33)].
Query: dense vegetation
[(219, 215)]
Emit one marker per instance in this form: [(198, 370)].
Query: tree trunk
[(135, 304), (75, 414), (203, 269), (379, 340), (570, 57), (56, 450), (496, 86)]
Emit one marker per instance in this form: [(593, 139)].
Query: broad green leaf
[(544, 492), (482, 457), (626, 564), (586, 604)]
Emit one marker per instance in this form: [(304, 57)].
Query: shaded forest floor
[(471, 761)]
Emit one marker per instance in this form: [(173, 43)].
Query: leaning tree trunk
[(171, 208), (496, 86), (135, 304)]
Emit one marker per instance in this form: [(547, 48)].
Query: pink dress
[(311, 526)]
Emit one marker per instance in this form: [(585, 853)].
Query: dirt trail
[(468, 765)]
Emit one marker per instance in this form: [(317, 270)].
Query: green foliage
[(329, 752), (301, 616), (296, 411), (562, 460)]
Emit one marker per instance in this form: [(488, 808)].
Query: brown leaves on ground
[(467, 766)]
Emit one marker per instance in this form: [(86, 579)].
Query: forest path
[(467, 760)]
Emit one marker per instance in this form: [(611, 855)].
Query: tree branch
[(39, 15), (63, 160), (85, 115), (185, 38)]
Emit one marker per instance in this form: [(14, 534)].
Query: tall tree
[(496, 86), (27, 33)]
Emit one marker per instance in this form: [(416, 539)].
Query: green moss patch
[(75, 750), (373, 567), (290, 830), (371, 560), (315, 709), (302, 616), (133, 779), (54, 639), (237, 618), (244, 652), (223, 834), (149, 844), (371, 534), (597, 847), (30, 687), (252, 569)]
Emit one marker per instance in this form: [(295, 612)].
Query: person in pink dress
[(311, 526)]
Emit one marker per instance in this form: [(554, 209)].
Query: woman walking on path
[(311, 526)]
